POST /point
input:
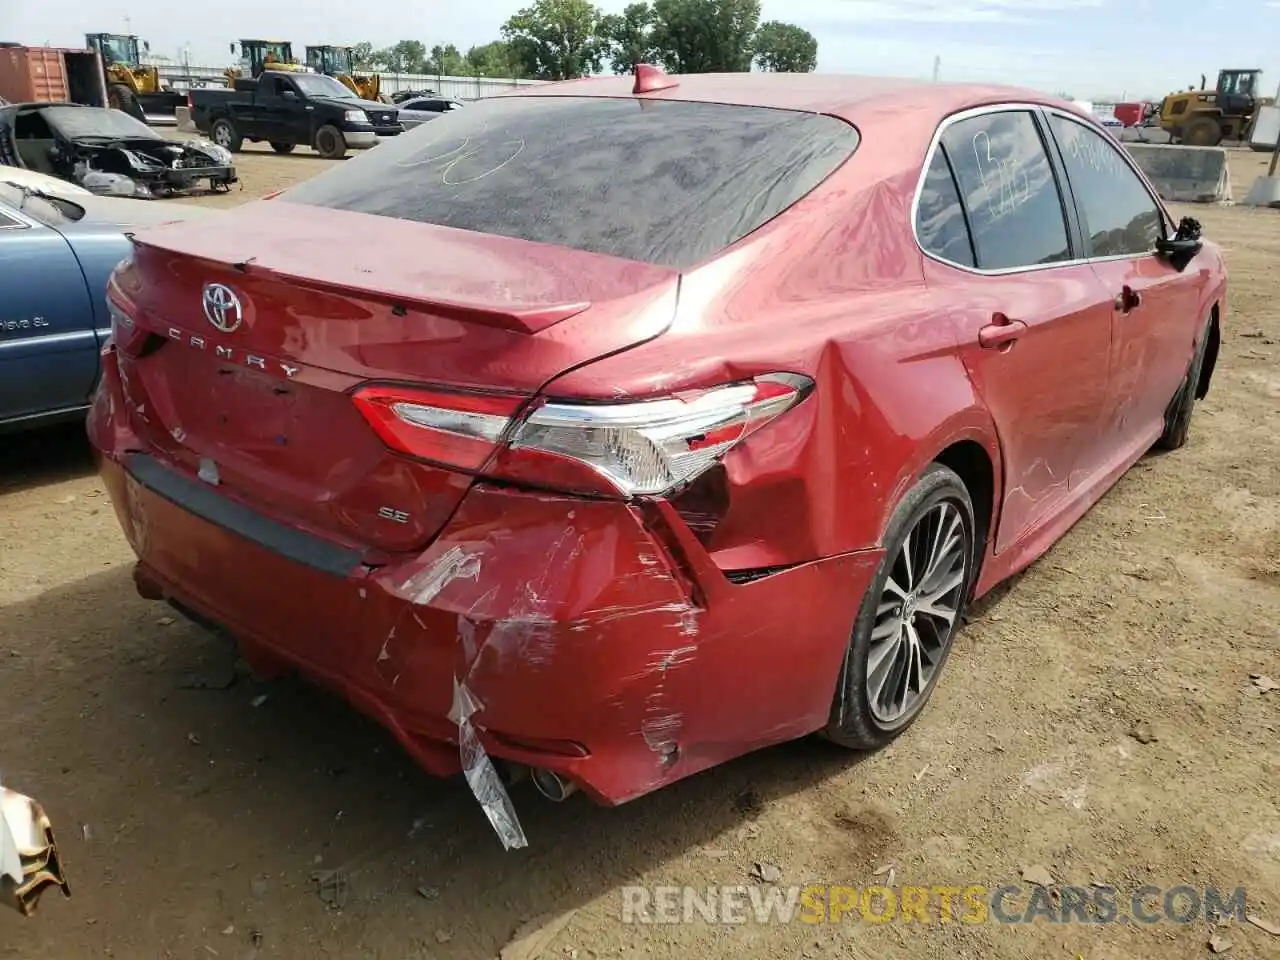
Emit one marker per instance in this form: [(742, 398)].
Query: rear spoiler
[(517, 318)]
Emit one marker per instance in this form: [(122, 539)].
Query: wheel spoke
[(916, 665), (881, 665), (891, 587), (908, 561)]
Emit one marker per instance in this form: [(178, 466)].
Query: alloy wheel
[(916, 615)]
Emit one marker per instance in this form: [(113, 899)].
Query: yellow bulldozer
[(259, 55), (132, 86), (337, 62), (1204, 118)]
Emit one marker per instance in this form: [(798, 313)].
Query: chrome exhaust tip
[(553, 786)]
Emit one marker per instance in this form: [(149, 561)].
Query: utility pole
[(128, 25), (937, 68)]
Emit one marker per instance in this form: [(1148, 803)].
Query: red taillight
[(455, 429), (645, 448), (128, 337)]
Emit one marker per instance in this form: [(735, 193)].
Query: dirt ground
[(194, 806)]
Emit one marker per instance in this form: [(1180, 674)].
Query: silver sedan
[(419, 110)]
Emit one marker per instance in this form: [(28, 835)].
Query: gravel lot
[(194, 805)]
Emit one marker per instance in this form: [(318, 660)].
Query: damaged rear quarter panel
[(838, 295)]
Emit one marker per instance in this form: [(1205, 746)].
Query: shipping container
[(51, 75)]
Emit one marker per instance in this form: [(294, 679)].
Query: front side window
[(660, 181), (319, 85), (1120, 217), (1009, 190), (940, 222)]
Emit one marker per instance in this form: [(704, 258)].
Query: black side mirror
[(1182, 247)]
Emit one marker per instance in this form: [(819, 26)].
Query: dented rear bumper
[(592, 638)]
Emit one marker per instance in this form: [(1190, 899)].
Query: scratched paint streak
[(482, 777), (456, 563)]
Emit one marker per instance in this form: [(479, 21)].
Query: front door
[(1154, 307)]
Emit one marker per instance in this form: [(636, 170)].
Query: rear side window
[(664, 182), (1120, 217), (1009, 190), (940, 222)]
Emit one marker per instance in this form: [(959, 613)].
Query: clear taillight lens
[(633, 449), (652, 447)]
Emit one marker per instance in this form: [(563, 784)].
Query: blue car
[(56, 253)]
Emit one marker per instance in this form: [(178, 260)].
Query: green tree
[(407, 56), (705, 36), (494, 59), (785, 48), (446, 60), (628, 37), (362, 56), (556, 39)]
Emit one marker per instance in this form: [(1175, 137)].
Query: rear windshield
[(664, 182)]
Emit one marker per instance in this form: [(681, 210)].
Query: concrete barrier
[(1185, 174), (183, 117), (1264, 193)]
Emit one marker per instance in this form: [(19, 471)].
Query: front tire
[(1202, 132), (330, 143), (1177, 418), (909, 615)]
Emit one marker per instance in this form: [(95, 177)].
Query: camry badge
[(222, 307)]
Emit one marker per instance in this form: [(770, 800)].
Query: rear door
[(48, 348), (1033, 330), (1154, 306)]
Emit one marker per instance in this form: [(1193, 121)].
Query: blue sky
[(1087, 48)]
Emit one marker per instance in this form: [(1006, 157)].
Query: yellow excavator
[(337, 62), (259, 55), (1204, 118), (132, 86)]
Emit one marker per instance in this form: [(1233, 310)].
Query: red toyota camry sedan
[(622, 426)]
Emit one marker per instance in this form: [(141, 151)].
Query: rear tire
[(1202, 132), (1177, 418), (120, 97), (224, 134), (330, 143), (909, 615), (281, 147)]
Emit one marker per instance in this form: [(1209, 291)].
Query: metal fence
[(184, 77)]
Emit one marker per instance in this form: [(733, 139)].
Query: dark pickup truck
[(286, 109)]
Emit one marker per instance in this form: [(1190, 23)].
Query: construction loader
[(337, 62), (1204, 118), (132, 86), (259, 55)]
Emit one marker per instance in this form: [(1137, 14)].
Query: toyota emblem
[(222, 307)]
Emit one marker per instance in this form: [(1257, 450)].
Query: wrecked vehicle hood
[(108, 152)]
